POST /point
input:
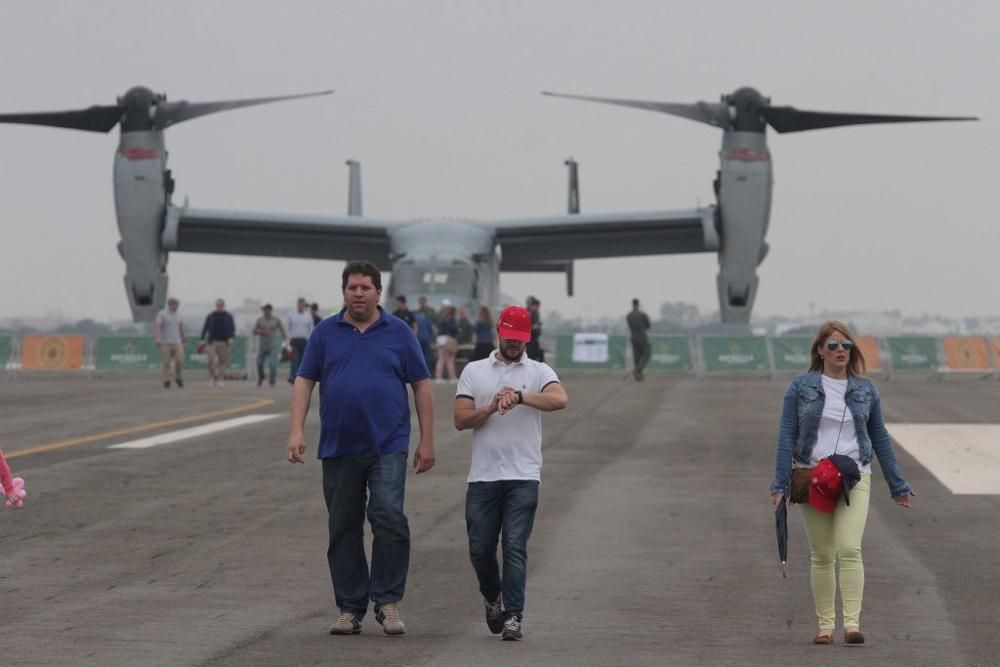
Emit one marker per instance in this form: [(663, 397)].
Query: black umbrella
[(781, 528)]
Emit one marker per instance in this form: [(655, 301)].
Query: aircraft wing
[(276, 235), (531, 243)]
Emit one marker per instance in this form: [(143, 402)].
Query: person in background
[(403, 313), (425, 336), (267, 329), (300, 326), (447, 343), (168, 329), (431, 314), (534, 347), (218, 334), (314, 311), (638, 325), (485, 337), (466, 331)]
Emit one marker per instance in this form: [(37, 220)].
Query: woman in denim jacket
[(835, 409)]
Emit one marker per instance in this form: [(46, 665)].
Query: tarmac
[(653, 545)]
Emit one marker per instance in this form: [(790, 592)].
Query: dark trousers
[(640, 355), (298, 348), (429, 359), (347, 481), (492, 508)]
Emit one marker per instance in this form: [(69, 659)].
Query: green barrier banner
[(669, 353), (596, 351), (6, 344), (199, 360), (912, 353), (791, 353), (127, 353), (735, 355)]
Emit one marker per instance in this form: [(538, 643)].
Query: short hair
[(314, 306), (401, 298), (363, 268), (173, 299), (635, 303)]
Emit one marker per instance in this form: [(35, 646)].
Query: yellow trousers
[(836, 536)]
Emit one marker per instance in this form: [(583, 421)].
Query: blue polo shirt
[(363, 404)]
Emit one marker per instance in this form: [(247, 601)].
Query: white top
[(168, 327), (300, 325), (830, 426), (506, 446)]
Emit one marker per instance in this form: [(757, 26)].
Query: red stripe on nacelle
[(139, 153), (747, 155)]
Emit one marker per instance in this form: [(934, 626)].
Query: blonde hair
[(855, 365)]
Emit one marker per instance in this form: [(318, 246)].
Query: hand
[(296, 448), (506, 400), (776, 498), (14, 499), (904, 501), (423, 458)]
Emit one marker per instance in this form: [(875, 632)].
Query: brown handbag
[(801, 480)]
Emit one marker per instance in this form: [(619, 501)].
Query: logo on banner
[(736, 356), (913, 356), (129, 355), (53, 353), (663, 355), (796, 355)]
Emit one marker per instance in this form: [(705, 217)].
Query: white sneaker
[(211, 383), (388, 616), (219, 383)]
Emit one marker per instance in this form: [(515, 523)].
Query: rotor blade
[(790, 119), (92, 119), (703, 112), (171, 113)]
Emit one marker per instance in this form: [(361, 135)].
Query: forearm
[(423, 400), (301, 398), (466, 418), (545, 401), (787, 435)]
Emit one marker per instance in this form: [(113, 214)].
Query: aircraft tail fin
[(573, 204)]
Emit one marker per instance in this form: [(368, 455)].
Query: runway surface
[(653, 544)]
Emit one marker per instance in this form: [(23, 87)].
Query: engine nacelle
[(142, 187)]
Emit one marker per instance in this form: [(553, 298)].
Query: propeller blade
[(92, 119), (790, 119), (171, 113), (703, 112)]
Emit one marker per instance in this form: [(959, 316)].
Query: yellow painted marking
[(97, 437)]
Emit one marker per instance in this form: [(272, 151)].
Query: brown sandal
[(823, 638), (854, 637)]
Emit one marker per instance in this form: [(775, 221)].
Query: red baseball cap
[(514, 323), (826, 486)]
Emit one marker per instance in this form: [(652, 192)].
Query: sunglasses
[(846, 344)]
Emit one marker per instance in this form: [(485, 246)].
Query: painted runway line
[(193, 432), (963, 457)]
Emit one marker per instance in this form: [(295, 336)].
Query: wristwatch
[(520, 396)]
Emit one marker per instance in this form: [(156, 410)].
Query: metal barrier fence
[(771, 355)]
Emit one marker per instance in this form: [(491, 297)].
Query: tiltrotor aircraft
[(447, 258)]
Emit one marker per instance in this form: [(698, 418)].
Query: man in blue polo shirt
[(363, 358)]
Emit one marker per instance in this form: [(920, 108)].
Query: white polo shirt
[(507, 446)]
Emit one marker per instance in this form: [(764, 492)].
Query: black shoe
[(260, 381), (494, 615), (291, 380), (512, 630), (166, 385), (180, 383)]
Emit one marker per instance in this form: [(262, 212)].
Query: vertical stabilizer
[(574, 187), (354, 188)]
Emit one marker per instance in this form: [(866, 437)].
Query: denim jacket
[(800, 416)]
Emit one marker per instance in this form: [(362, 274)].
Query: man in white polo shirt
[(502, 399)]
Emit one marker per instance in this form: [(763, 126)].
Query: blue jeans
[(298, 348), (269, 355), (507, 505), (347, 480)]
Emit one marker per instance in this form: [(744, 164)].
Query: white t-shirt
[(507, 446), (830, 426), (300, 325), (169, 326)]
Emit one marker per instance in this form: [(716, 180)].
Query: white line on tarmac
[(193, 432), (963, 457)]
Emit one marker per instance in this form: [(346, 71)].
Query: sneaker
[(218, 383), (512, 629), (388, 616), (211, 383), (180, 383), (347, 624), (494, 615), (166, 385)]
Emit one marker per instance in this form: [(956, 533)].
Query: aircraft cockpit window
[(441, 280)]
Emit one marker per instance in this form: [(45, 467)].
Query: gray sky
[(440, 101)]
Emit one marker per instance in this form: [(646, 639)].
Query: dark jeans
[(489, 507), (640, 355), (298, 348), (425, 347), (347, 480)]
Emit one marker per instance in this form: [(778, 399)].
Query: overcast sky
[(440, 102)]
